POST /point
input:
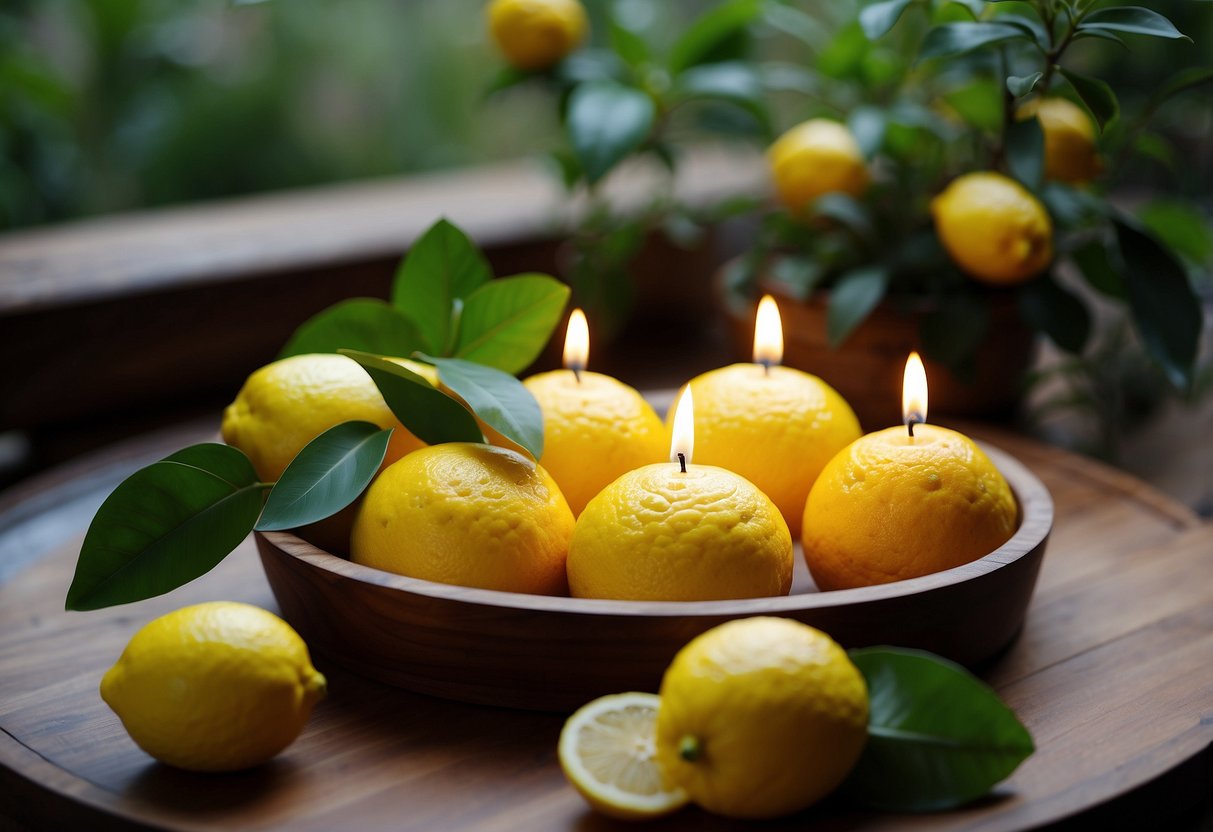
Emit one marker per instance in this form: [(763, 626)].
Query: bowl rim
[(1036, 521)]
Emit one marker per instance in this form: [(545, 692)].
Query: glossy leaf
[(878, 18), (733, 82), (507, 322), (867, 125), (1021, 85), (937, 736), (845, 209), (429, 414), (1133, 20), (166, 525), (1094, 261), (852, 299), (499, 399), (359, 324), (1096, 94), (607, 121), (715, 35), (958, 38), (441, 268), (325, 476), (1049, 308), (1026, 151), (1023, 16), (1182, 226)]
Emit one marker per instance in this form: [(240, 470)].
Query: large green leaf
[(1181, 225), (1026, 151), (958, 38), (1056, 312), (358, 324), (166, 525), (1094, 261), (734, 82), (430, 414), (1021, 85), (506, 323), (1096, 94), (854, 296), (606, 121), (879, 18), (953, 330), (326, 476), (1134, 20), (716, 35), (441, 269), (937, 736), (499, 399)]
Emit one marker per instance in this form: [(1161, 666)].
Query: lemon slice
[(608, 751)]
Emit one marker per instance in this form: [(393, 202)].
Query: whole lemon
[(777, 429), (219, 686), (760, 717), (995, 230), (886, 509), (1070, 154), (657, 534), (816, 157), (535, 34), (594, 429), (467, 514)]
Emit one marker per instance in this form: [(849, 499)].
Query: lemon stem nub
[(689, 748)]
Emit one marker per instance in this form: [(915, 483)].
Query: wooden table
[(1113, 675)]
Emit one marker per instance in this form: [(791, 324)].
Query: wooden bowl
[(543, 653)]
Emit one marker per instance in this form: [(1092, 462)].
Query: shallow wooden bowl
[(537, 652)]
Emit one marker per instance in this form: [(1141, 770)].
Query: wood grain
[(1110, 675)]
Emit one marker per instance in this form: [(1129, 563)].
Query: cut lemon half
[(608, 751)]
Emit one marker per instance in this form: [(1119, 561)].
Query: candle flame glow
[(768, 333), (914, 392), (577, 342), (682, 440)]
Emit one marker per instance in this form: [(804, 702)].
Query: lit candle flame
[(914, 393), (682, 441), (768, 333), (577, 342)]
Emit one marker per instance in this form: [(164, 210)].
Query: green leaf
[(715, 35), (358, 324), (1164, 305), (1027, 20), (798, 276), (1096, 94), (1183, 80), (505, 78), (937, 736), (325, 476), (868, 125), (628, 45), (1182, 226), (499, 399), (1026, 151), (166, 525), (429, 414), (606, 121), (1099, 34), (1134, 20), (1021, 85), (845, 209), (733, 82), (1056, 312), (853, 297), (442, 267), (507, 322), (979, 103), (958, 38), (878, 18), (1094, 261), (952, 332)]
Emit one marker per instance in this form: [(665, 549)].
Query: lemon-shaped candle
[(774, 425), (905, 502), (674, 531)]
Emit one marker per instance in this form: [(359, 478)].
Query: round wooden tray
[(544, 653)]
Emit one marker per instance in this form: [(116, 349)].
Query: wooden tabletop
[(1111, 675)]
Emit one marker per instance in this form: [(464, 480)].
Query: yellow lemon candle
[(774, 425), (905, 502), (680, 532), (594, 426)]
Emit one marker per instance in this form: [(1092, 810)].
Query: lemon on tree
[(219, 686), (814, 158), (535, 34), (1070, 154)]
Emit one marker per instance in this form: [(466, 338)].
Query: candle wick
[(766, 366), (913, 420), (577, 374), (682, 461)]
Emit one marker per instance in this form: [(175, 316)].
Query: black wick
[(682, 461), (913, 420)]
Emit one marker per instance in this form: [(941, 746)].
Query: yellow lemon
[(608, 752), (593, 430), (995, 230), (760, 717), (657, 534), (816, 157), (1070, 154), (886, 508), (535, 34), (467, 514), (776, 429), (214, 687)]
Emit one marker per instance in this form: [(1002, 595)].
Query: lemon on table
[(814, 158), (760, 717), (1070, 154), (535, 34), (219, 686), (608, 752), (993, 228), (467, 514)]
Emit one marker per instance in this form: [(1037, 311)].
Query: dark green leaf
[(1026, 151), (1098, 34), (1156, 147), (879, 18), (606, 121), (429, 414), (958, 38), (733, 82), (1182, 226), (359, 324), (1134, 20), (442, 267), (1094, 261), (507, 322), (715, 36), (1072, 207), (1185, 79), (1051, 309), (166, 525), (845, 209), (867, 125), (853, 297), (1021, 85), (325, 476), (1024, 17), (587, 65), (785, 77), (798, 276), (1097, 95), (953, 330), (499, 399), (937, 736), (791, 20), (1164, 305)]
